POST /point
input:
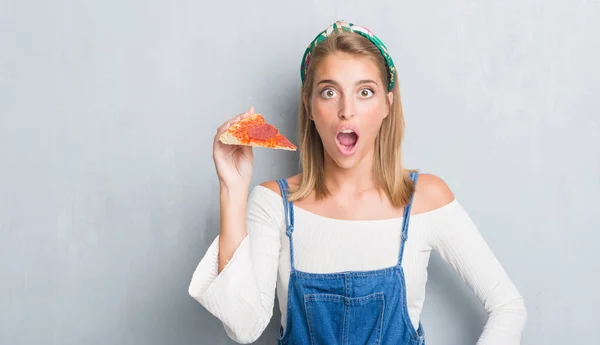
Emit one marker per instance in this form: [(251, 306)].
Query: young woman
[(346, 242)]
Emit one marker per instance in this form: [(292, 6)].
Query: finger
[(238, 118), (244, 115), (228, 123), (222, 129), (224, 126), (248, 113)]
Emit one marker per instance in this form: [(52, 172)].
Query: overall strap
[(288, 209), (406, 219)]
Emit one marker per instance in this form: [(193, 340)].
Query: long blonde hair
[(389, 174)]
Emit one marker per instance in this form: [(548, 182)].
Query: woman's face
[(348, 105)]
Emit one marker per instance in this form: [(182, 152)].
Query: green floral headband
[(340, 26)]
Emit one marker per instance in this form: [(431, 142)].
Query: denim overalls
[(348, 308)]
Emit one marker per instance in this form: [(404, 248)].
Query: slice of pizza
[(255, 131)]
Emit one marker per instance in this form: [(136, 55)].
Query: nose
[(346, 107)]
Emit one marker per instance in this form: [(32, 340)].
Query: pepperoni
[(263, 131)]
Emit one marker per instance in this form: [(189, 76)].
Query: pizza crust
[(227, 138)]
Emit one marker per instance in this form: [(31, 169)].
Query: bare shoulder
[(432, 192), (274, 186)]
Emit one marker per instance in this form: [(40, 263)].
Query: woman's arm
[(242, 295)]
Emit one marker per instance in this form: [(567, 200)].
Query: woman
[(337, 242)]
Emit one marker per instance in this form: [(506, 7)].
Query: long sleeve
[(459, 243), (242, 296)]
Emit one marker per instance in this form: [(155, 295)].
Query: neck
[(353, 181)]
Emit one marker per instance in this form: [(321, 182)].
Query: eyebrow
[(364, 81)]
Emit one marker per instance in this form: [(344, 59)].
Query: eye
[(366, 93), (327, 93)]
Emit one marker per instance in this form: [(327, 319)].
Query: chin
[(346, 161)]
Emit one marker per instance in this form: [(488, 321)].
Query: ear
[(390, 101)]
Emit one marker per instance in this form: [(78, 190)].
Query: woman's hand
[(233, 162)]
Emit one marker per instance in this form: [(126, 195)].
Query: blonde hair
[(389, 174)]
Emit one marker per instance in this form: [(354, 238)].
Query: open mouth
[(347, 140)]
